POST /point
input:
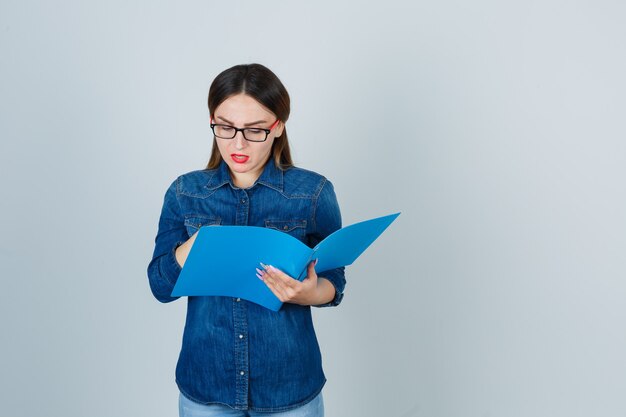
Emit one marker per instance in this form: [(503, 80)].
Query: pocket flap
[(196, 222), (285, 225)]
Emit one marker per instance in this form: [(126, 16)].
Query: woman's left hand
[(309, 291)]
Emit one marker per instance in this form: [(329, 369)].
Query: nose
[(240, 141)]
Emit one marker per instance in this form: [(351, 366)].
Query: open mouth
[(240, 159)]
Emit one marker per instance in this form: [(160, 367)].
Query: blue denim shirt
[(236, 352)]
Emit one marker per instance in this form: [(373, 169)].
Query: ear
[(279, 128)]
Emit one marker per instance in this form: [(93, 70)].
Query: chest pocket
[(194, 223), (295, 228)]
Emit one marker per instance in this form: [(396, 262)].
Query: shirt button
[(241, 336), (238, 299), (243, 201), (285, 227), (241, 373)]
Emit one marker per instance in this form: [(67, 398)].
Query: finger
[(272, 279), (276, 292), (275, 287), (260, 274), (279, 276), (311, 274)]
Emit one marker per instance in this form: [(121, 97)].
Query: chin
[(239, 167)]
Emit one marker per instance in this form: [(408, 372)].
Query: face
[(245, 159)]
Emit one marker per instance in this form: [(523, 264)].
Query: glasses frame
[(242, 130)]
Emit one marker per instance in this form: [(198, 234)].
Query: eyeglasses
[(251, 134)]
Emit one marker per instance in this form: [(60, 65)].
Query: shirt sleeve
[(326, 220), (163, 269)]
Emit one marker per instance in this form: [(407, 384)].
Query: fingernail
[(263, 265), (271, 268), (259, 271), (259, 277)]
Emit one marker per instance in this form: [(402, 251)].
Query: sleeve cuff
[(336, 277), (170, 267)]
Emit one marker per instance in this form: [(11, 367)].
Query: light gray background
[(497, 128)]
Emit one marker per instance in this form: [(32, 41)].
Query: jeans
[(188, 408)]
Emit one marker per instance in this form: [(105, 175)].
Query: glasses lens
[(255, 135), (222, 131)]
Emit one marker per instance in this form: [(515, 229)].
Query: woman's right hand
[(183, 250)]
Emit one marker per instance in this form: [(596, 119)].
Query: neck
[(245, 179), (242, 180)]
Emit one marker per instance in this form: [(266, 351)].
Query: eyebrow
[(245, 124)]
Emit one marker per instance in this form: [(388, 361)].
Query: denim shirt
[(233, 351)]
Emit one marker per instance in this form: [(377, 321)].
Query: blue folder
[(223, 259)]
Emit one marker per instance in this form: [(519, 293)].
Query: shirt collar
[(271, 177)]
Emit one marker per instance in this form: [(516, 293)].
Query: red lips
[(238, 158)]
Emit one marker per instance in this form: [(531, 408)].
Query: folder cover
[(223, 259)]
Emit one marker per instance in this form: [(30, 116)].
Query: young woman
[(237, 357)]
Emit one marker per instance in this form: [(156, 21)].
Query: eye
[(255, 131), (227, 128)]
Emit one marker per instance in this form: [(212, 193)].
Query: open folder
[(223, 259)]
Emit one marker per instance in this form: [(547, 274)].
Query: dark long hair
[(263, 85)]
